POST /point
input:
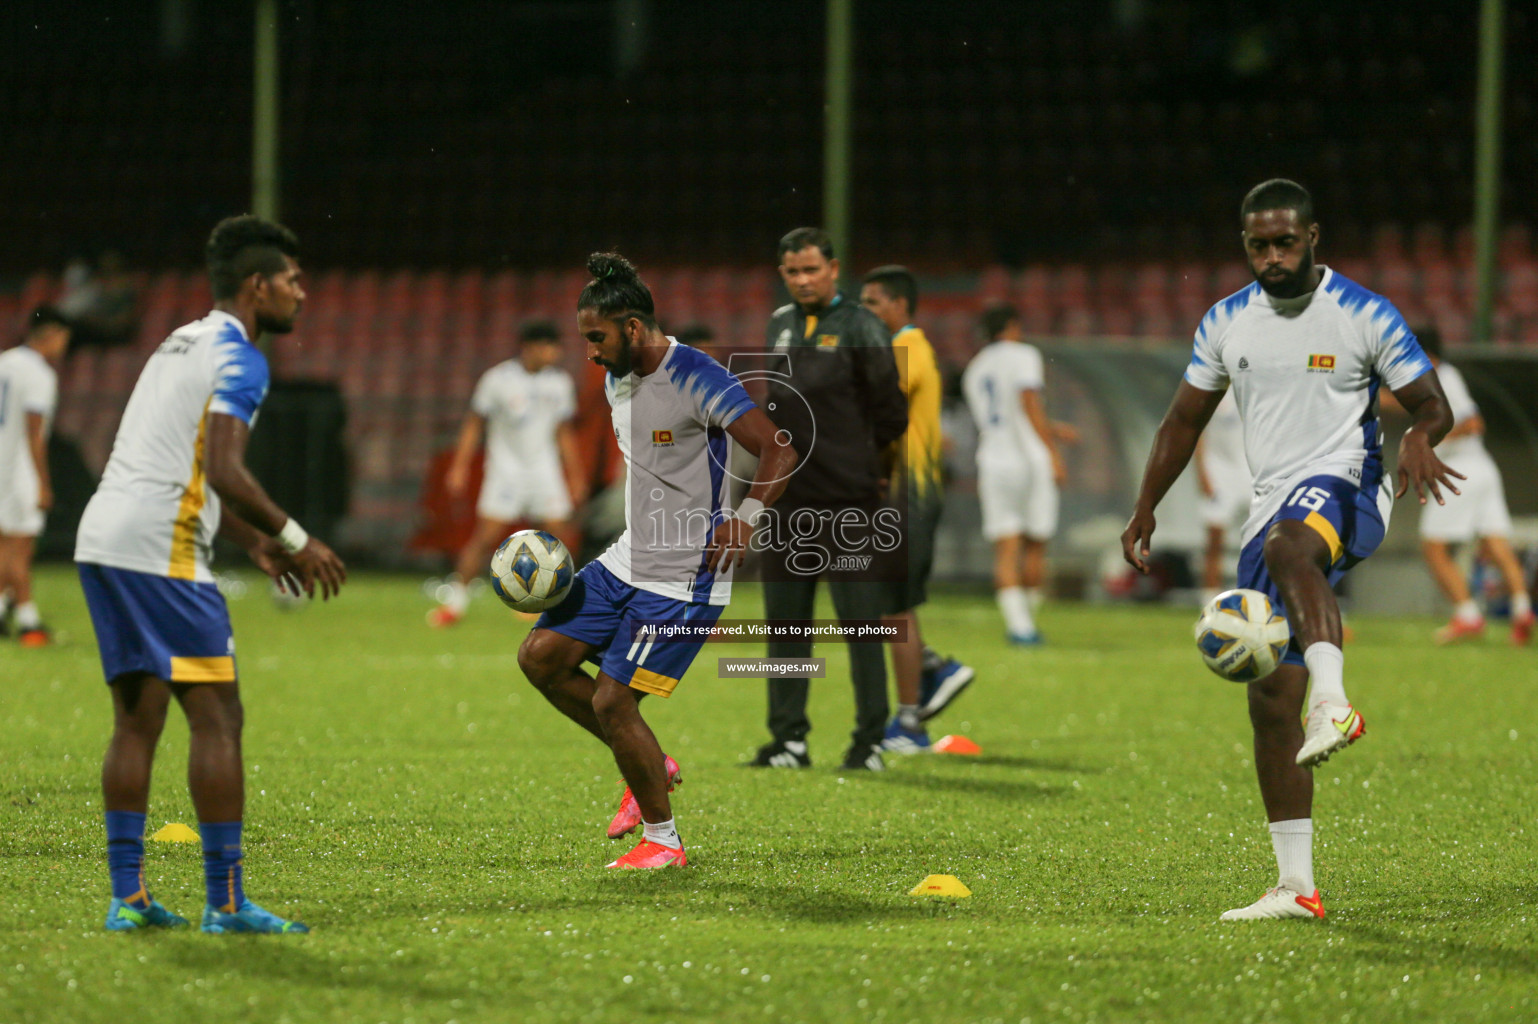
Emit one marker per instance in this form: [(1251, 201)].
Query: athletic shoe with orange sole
[(1330, 728), (1460, 629), (34, 636), (442, 617), (628, 818), (649, 856), (1522, 628), (1278, 903)]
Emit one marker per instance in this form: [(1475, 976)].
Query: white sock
[(1033, 598), (1521, 605), (27, 617), (1326, 674), (1468, 610), (458, 598), (908, 717), (664, 834), (797, 747), (5, 604), (1293, 842), (1016, 609)]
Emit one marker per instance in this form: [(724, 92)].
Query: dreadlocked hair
[(616, 290)]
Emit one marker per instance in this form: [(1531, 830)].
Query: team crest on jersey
[(827, 341), (1321, 364), (1244, 364), (662, 438)]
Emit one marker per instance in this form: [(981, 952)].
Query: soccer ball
[(1240, 636), (532, 571)]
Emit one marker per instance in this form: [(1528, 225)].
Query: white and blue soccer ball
[(1240, 635), (532, 571)]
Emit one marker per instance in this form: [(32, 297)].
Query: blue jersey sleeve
[(240, 377), (1395, 353), (717, 396), (1400, 358), (1207, 370)]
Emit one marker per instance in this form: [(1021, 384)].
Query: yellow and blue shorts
[(176, 630), (1347, 515), (608, 613)]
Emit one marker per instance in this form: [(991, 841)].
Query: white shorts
[(1227, 510), (1016, 499), (538, 496), (1480, 511), (19, 514)]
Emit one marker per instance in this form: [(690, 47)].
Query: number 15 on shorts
[(1311, 498)]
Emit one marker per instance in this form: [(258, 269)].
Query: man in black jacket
[(835, 389)]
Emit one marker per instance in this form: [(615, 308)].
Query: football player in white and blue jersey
[(676, 412), (29, 394), (175, 480), (1305, 352)]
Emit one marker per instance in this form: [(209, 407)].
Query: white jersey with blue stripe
[(1305, 373), (992, 385), (671, 427), (153, 511)]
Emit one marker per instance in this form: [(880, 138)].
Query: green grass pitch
[(441, 828)]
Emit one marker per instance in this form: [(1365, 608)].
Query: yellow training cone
[(941, 885), (175, 832)]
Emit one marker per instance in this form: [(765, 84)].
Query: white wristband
[(292, 537), (749, 508)]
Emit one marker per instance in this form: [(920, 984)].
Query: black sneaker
[(863, 759), (781, 755)]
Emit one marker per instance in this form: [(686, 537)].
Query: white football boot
[(1330, 727), (1278, 902)]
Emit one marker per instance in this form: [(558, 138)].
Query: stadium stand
[(406, 348)]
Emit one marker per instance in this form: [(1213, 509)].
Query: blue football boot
[(124, 917), (249, 918)]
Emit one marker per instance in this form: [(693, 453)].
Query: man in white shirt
[(642, 610), (1019, 468), (29, 392), (522, 408), (176, 479), (1478, 513), (1305, 352), (1224, 479)]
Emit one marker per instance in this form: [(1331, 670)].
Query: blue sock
[(125, 857), (222, 865)]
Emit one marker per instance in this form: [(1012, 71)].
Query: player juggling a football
[(676, 412), (1305, 351)]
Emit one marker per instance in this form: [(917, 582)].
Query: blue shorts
[(604, 611), (1345, 514), (176, 630)]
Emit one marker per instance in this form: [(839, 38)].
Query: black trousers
[(788, 596)]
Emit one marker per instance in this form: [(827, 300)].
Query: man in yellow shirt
[(926, 683)]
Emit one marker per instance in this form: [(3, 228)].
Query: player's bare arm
[(571, 461), (1475, 424), (1036, 412), (267, 554), (1203, 481), (776, 461), (1173, 447), (457, 480), (225, 452), (37, 444), (1419, 466)]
